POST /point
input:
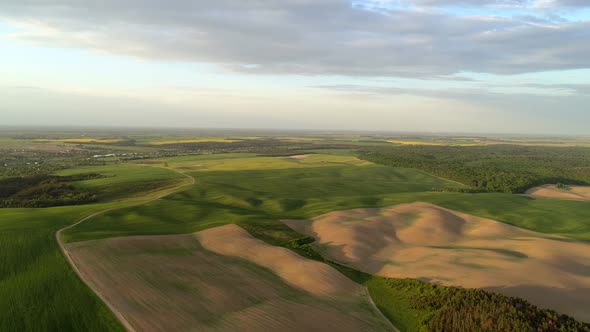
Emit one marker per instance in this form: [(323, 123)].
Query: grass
[(561, 217), (199, 140), (415, 142), (242, 162), (268, 194), (257, 196), (38, 289), (13, 142), (212, 156), (254, 192), (80, 140), (124, 180), (396, 305)]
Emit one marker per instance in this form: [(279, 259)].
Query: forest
[(44, 191), (494, 168), (442, 308)]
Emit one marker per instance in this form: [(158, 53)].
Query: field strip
[(438, 177), (114, 310), (378, 311)]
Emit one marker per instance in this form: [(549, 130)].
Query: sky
[(479, 66)]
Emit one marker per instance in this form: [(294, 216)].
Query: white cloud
[(341, 47), (308, 37)]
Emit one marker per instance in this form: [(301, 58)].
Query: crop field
[(255, 192), (567, 218), (425, 241), (79, 140), (295, 166), (200, 140), (292, 190), (36, 280), (244, 163), (418, 143), (240, 292), (259, 195)]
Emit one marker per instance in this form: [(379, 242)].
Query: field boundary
[(379, 312), (126, 324), (439, 177)]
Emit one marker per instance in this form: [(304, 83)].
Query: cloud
[(475, 92), (530, 106), (490, 3), (330, 37), (567, 3)]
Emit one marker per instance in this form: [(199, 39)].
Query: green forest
[(422, 306), (44, 191), (494, 168)]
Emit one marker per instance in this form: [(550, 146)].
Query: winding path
[(114, 310)]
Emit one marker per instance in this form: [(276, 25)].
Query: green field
[(125, 180), (297, 189), (38, 289), (294, 189), (254, 192)]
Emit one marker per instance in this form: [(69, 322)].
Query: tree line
[(465, 310), (44, 191), (495, 168)]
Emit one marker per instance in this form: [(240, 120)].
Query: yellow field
[(81, 140), (198, 140), (258, 163), (430, 143), (416, 143), (300, 139)]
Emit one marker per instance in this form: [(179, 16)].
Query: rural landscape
[(295, 166), (226, 231)]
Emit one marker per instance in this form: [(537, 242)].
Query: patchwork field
[(296, 187), (424, 241), (253, 191), (200, 140), (552, 191), (243, 162), (264, 195), (222, 279), (38, 289)]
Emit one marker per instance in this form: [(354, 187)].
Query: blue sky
[(429, 65)]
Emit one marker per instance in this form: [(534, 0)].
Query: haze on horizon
[(513, 66)]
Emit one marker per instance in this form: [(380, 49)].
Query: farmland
[(36, 280), (252, 185)]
